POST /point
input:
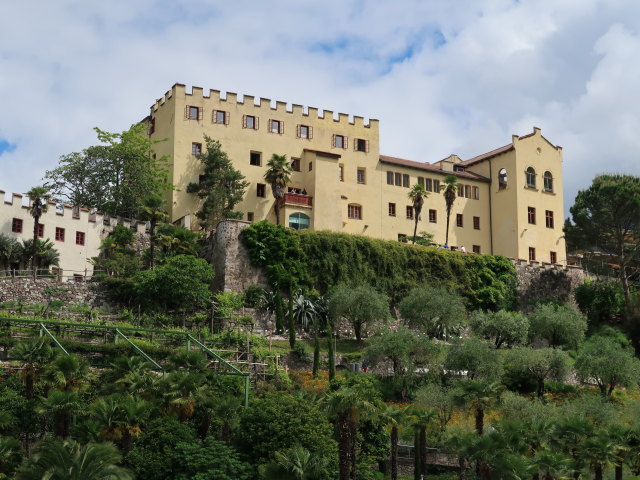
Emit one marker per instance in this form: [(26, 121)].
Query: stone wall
[(544, 281), (40, 291), (230, 259)]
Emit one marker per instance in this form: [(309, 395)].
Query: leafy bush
[(253, 296)]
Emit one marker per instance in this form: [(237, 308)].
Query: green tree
[(607, 215), (68, 460), (210, 460), (421, 419), (477, 358), (434, 397), (152, 211), (477, 396), (437, 311), (417, 195), (559, 325), (61, 405), (9, 251), (10, 455), (176, 240), (449, 189), (295, 463), (501, 327), (606, 362), (221, 186), (181, 283), (362, 306), (114, 177), (601, 453), (539, 365), (38, 204), (394, 418), (600, 301), (278, 175), (45, 253), (34, 355), (279, 421)]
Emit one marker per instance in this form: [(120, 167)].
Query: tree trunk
[(618, 471), (623, 278), (291, 322), (127, 442), (34, 249), (541, 389), (316, 354), (357, 329), (394, 453), (423, 449), (462, 468), (226, 431), (446, 238), (344, 443), (276, 209), (28, 386), (415, 228), (417, 464), (479, 420), (598, 472), (353, 433)]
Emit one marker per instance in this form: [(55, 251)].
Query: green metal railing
[(119, 333)]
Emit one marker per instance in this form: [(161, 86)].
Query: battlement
[(13, 204), (231, 98)]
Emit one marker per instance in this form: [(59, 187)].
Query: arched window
[(298, 221), (502, 178), (548, 182), (531, 177)]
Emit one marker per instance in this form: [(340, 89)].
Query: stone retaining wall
[(536, 281), (40, 291)]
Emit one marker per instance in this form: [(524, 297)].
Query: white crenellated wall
[(74, 258)]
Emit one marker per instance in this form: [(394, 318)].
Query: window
[(250, 216), (409, 212), (305, 131), (221, 117), (255, 158), (193, 113), (502, 179), (339, 141), (295, 164), (260, 190), (467, 191), (531, 214), (250, 122), (196, 148), (530, 175), (40, 230), (276, 126), (16, 225), (398, 178), (341, 172), (548, 216), (60, 234), (360, 145), (548, 182), (389, 178), (476, 223), (421, 181), (392, 209), (402, 238), (428, 185), (433, 216), (298, 221), (310, 166), (532, 254), (436, 186), (405, 180), (459, 222), (361, 176), (79, 238), (553, 257), (475, 193), (354, 211), (475, 249), (461, 190), (78, 278)]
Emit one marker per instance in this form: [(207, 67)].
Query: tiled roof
[(430, 168), (487, 155)]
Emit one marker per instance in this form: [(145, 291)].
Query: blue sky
[(441, 76)]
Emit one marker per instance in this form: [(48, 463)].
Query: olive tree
[(501, 327), (362, 306), (434, 310), (558, 325)]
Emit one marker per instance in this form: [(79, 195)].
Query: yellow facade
[(343, 184)]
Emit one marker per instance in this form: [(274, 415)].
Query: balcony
[(297, 199)]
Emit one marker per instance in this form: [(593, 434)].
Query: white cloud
[(443, 77)]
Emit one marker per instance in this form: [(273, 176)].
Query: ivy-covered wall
[(321, 260)]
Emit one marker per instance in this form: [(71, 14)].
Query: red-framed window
[(80, 238), (59, 234), (16, 225), (531, 215)]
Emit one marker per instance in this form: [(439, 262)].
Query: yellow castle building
[(509, 201)]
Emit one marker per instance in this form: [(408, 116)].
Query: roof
[(430, 168), (485, 156)]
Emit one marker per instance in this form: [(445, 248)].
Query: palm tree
[(278, 175), (449, 190), (417, 195), (421, 419), (550, 465), (34, 355), (153, 212), (38, 203), (181, 393), (296, 463), (68, 460), (346, 406), (9, 251), (61, 405), (601, 453), (120, 418), (477, 395), (45, 253), (67, 373), (394, 418), (9, 454)]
